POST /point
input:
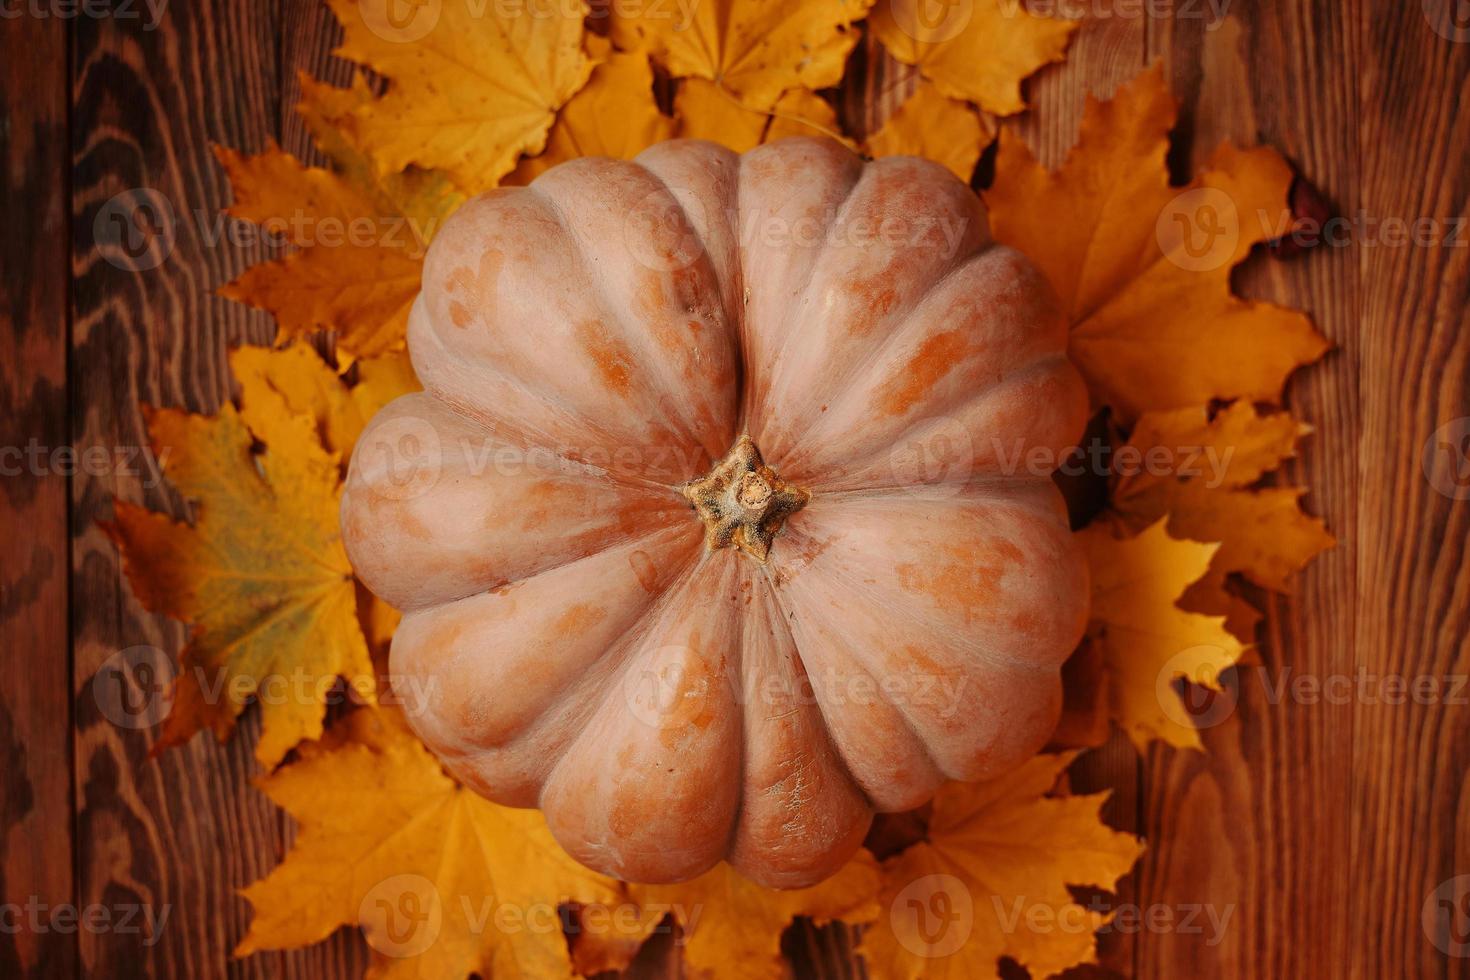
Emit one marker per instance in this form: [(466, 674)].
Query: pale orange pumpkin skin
[(591, 342)]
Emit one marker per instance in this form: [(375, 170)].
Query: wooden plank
[(1253, 829), (181, 833), (36, 828), (1410, 825)]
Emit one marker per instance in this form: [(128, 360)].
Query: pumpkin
[(724, 519)]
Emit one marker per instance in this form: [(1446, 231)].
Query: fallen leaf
[(614, 115), (1086, 720), (1143, 269), (732, 926), (1201, 477), (991, 880), (930, 124), (472, 85), (360, 238), (703, 110), (443, 882), (978, 51), (308, 386), (756, 49), (260, 575), (1147, 641)]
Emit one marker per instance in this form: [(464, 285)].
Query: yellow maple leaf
[(260, 575), (360, 236), (703, 110), (932, 125), (1147, 641), (309, 386), (614, 115), (443, 882), (1142, 268), (756, 49), (1202, 478), (979, 50), (990, 880), (731, 926), (472, 85)]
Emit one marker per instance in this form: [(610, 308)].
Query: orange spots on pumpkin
[(955, 579), (645, 570), (577, 619), (934, 359), (610, 357), (480, 286)]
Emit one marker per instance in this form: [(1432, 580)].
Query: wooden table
[(1324, 826)]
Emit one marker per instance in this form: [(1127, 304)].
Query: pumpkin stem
[(742, 502)]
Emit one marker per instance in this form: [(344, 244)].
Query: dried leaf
[(935, 126), (1203, 483), (991, 880), (705, 111), (614, 115), (978, 51), (1147, 641), (472, 85), (756, 49), (261, 574), (733, 926), (308, 386), (1143, 268), (443, 882)]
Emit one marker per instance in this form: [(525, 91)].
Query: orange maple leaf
[(443, 882), (990, 880), (261, 574), (1143, 268), (360, 238)]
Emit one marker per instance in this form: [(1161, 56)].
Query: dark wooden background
[(1324, 826)]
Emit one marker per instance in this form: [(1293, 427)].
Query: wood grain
[(35, 680), (1321, 829)]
